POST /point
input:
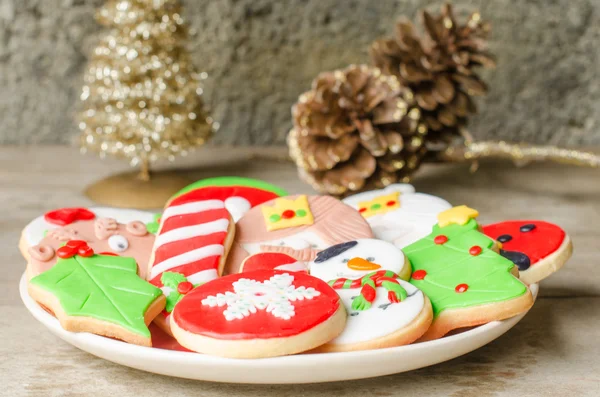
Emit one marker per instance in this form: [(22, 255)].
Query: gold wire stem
[(520, 153)]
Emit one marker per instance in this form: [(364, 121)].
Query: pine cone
[(439, 67), (357, 128)]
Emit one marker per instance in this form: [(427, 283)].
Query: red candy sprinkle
[(475, 250), (75, 243), (419, 274), (288, 214), (460, 288), (66, 216), (184, 287), (66, 252), (390, 203), (363, 209), (85, 251), (441, 239)]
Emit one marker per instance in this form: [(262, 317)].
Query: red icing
[(390, 203), (66, 252), (266, 261), (460, 288), (74, 247), (75, 243), (441, 239), (392, 297), (288, 214), (185, 287), (363, 209), (85, 251), (66, 216), (191, 315), (419, 274), (475, 250), (253, 195), (537, 244), (108, 253), (368, 293)]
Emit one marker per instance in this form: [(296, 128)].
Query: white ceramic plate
[(301, 368)]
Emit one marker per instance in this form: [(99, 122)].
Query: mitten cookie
[(537, 248), (191, 245), (103, 235), (299, 226), (383, 309), (98, 294), (467, 281), (397, 214), (264, 313), (239, 194)]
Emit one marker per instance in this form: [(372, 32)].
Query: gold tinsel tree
[(142, 96)]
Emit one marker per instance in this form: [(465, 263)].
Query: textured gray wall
[(260, 54)]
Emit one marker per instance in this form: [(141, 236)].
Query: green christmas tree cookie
[(99, 294), (467, 282)]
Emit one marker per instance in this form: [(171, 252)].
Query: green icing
[(232, 181), (152, 227), (447, 265), (172, 280), (103, 287), (301, 213), (274, 218)]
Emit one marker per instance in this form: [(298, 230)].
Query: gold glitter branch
[(520, 153)]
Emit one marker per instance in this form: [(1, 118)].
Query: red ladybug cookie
[(264, 313), (538, 248)]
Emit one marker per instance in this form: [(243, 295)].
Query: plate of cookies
[(237, 281)]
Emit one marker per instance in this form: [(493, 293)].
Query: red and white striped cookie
[(192, 241)]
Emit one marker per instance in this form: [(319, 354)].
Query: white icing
[(187, 257), (273, 295), (293, 267), (378, 252), (190, 208), (412, 221), (378, 322), (118, 243), (298, 241), (203, 276), (35, 230), (237, 207), (182, 233)]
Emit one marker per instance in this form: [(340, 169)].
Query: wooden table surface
[(553, 351)]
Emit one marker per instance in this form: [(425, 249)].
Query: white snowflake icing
[(275, 295)]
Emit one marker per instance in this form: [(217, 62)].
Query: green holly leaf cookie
[(102, 287)]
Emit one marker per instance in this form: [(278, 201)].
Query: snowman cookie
[(239, 194), (397, 214), (468, 282), (191, 245), (105, 236), (383, 309), (537, 248), (299, 226), (264, 313)]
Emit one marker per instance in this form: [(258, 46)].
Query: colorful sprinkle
[(184, 287), (390, 203), (441, 239), (475, 250), (375, 207), (363, 209), (419, 274), (301, 213), (504, 238), (527, 228), (288, 214), (460, 288), (274, 218)]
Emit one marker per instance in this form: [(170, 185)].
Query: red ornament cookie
[(538, 248), (263, 313)]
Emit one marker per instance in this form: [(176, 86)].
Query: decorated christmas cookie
[(239, 194), (383, 309), (397, 214), (37, 229), (192, 242), (99, 294), (273, 261), (299, 226), (102, 235), (354, 259), (263, 313), (467, 281), (537, 248)]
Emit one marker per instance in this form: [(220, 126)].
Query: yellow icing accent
[(460, 215), (381, 203), (283, 204)]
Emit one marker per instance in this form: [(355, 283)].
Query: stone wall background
[(261, 54)]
